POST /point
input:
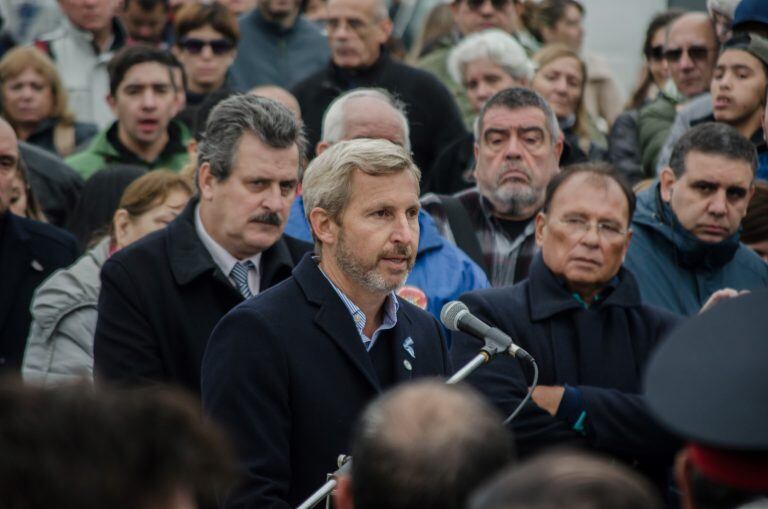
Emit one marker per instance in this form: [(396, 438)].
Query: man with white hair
[(442, 272), (289, 370), (357, 32)]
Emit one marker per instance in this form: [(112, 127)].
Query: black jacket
[(287, 373), (433, 116), (29, 252), (601, 351), (624, 147), (160, 299)]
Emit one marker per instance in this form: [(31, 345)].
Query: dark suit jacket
[(161, 298), (29, 252), (287, 373), (601, 350)]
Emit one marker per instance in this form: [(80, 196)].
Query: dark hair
[(268, 120), (197, 15), (708, 494), (412, 448), (713, 138), (134, 55), (567, 479), (517, 98), (755, 223), (204, 110), (659, 21), (603, 171), (77, 447), (148, 5), (546, 14)]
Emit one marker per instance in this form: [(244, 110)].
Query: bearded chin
[(515, 201)]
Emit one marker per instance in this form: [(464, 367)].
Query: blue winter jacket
[(442, 271), (653, 259)]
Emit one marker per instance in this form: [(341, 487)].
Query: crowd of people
[(229, 229)]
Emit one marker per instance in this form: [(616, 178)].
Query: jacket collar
[(353, 78), (190, 259), (548, 296), (334, 319)]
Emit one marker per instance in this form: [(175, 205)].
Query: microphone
[(455, 316)]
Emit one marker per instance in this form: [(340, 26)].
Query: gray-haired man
[(162, 296)]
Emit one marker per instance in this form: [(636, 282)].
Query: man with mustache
[(686, 244), (162, 296), (289, 371), (517, 149)]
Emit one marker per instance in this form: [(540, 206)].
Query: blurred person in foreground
[(83, 448), (580, 315), (35, 103), (64, 307), (289, 387), (562, 479), (411, 450)]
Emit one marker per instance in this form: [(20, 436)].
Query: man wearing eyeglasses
[(357, 32), (690, 50), (472, 16), (143, 98), (278, 46), (686, 245), (580, 315)]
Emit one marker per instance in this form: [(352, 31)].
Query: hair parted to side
[(714, 138), (334, 119), (515, 99), (495, 45), (328, 179), (271, 122), (411, 450)]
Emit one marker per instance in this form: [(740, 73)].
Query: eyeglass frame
[(497, 4), (695, 52), (217, 48), (579, 227)]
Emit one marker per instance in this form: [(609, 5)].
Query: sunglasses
[(695, 53), (497, 4), (195, 46), (655, 52)]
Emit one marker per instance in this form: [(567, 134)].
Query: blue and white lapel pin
[(408, 347)]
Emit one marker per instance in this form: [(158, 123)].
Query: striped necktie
[(240, 275)]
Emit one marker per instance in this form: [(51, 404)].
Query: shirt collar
[(221, 257)]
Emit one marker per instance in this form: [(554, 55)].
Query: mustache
[(399, 250), (270, 218)]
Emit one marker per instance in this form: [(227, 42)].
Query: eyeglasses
[(195, 46), (655, 52), (497, 4), (695, 53), (578, 227)]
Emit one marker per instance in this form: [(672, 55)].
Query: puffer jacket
[(654, 259), (60, 342)]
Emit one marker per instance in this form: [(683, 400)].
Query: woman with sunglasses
[(206, 41), (623, 145)]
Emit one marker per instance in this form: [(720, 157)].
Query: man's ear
[(667, 181), (558, 148), (112, 102), (321, 147), (541, 224), (342, 496), (324, 228), (683, 474), (205, 181)]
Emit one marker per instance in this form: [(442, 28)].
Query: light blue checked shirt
[(391, 306)]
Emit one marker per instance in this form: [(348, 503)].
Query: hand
[(719, 296), (548, 397)]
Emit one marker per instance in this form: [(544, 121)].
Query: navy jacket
[(601, 351), (287, 374), (654, 257), (29, 252), (160, 299)]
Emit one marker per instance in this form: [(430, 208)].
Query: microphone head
[(451, 313)]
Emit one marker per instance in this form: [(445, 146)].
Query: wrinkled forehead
[(717, 169), (502, 118), (690, 31), (352, 9), (587, 192)]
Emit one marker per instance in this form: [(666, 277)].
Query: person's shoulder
[(308, 29), (747, 261), (146, 254), (309, 84), (496, 299), (659, 107), (296, 247), (46, 234)]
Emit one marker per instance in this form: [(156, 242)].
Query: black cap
[(751, 43), (708, 382)]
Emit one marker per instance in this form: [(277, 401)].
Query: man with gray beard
[(288, 371), (517, 148)]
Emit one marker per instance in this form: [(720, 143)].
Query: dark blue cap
[(750, 11)]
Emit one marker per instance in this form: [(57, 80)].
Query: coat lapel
[(334, 319), (406, 356)]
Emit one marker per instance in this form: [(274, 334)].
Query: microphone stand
[(490, 349)]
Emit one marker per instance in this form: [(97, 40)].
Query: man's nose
[(685, 60), (274, 200), (718, 204), (404, 230)]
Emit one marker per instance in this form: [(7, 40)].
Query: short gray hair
[(515, 99), (334, 118), (495, 45), (271, 122), (328, 179)]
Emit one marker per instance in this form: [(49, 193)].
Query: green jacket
[(436, 62), (653, 127), (100, 153)]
